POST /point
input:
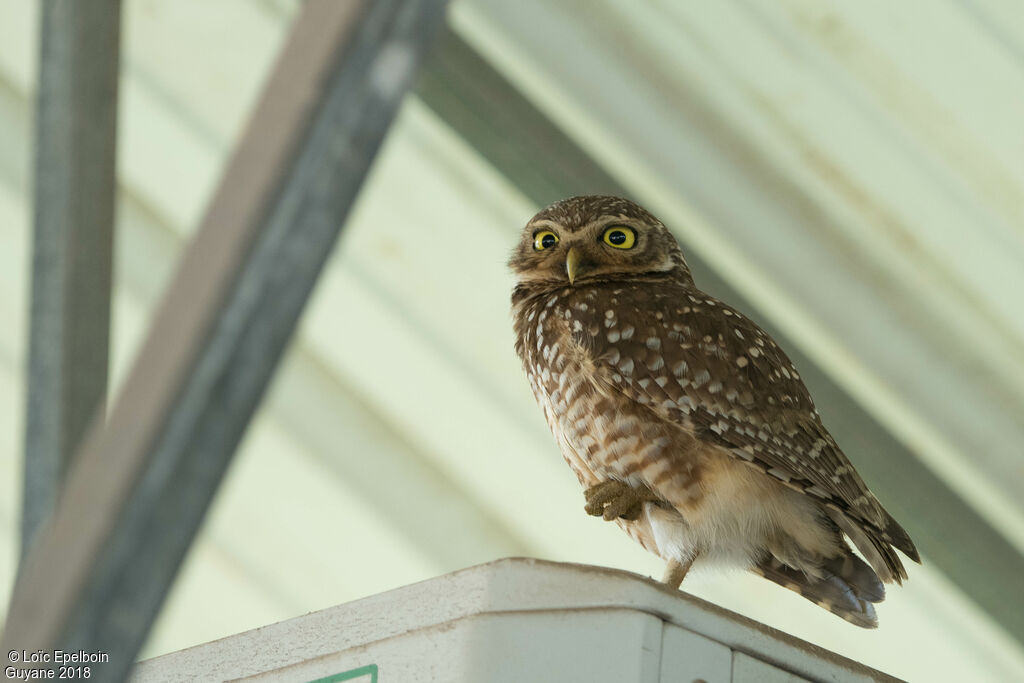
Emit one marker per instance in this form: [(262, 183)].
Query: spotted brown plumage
[(680, 412)]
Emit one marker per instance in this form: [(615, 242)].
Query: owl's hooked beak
[(572, 263)]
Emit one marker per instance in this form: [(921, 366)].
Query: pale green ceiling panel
[(400, 439)]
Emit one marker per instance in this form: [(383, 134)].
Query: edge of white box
[(507, 585)]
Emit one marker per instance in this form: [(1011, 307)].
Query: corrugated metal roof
[(854, 170)]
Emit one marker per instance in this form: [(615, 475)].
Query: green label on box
[(370, 671)]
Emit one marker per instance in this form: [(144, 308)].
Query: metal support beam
[(505, 127), (76, 135), (546, 165), (138, 492)]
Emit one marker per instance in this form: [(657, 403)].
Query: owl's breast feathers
[(701, 369)]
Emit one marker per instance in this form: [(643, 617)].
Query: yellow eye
[(620, 237), (544, 240)]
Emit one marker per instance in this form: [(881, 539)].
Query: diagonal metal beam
[(131, 505), (76, 134), (546, 164)]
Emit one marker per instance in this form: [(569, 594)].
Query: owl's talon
[(615, 499), (601, 494), (627, 506)]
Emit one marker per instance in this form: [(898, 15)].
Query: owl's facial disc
[(583, 240), (608, 246)]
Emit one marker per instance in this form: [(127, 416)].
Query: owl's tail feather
[(876, 548), (847, 586), (901, 539)]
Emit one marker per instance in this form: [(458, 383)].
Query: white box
[(514, 620)]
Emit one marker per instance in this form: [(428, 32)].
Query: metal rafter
[(76, 134), (140, 487)]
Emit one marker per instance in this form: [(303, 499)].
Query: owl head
[(581, 240)]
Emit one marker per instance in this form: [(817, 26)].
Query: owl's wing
[(696, 362)]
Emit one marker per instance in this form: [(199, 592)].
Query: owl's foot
[(675, 572), (613, 499)]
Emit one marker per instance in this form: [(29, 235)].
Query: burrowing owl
[(684, 421)]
